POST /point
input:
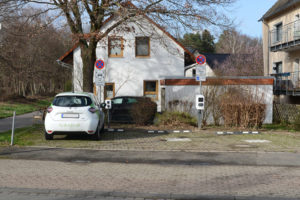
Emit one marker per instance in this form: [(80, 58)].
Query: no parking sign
[(99, 73), (99, 64)]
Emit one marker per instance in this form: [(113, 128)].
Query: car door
[(117, 111)]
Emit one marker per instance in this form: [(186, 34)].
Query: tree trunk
[(88, 56)]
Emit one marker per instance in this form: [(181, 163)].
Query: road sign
[(100, 77), (201, 59), (201, 73), (99, 64)]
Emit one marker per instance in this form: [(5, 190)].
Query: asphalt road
[(20, 121)]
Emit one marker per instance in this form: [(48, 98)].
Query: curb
[(114, 194)]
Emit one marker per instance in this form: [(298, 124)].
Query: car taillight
[(49, 109), (92, 110)]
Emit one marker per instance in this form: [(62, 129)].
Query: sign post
[(99, 74), (200, 76)]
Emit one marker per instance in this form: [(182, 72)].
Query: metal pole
[(13, 130), (108, 118), (199, 111)]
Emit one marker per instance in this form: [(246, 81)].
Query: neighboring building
[(137, 56), (212, 62), (281, 48)]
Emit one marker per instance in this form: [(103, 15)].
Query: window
[(277, 68), (297, 27), (194, 72), (117, 101), (115, 47), (142, 46), (151, 89), (72, 101), (109, 90), (278, 32)]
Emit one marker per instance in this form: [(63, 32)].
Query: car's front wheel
[(48, 136)]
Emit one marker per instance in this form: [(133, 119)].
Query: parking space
[(150, 139)]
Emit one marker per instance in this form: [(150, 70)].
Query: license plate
[(67, 115)]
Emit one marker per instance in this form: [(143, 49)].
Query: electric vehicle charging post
[(108, 106)]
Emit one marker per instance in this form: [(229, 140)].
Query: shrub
[(242, 109), (143, 112), (176, 118)]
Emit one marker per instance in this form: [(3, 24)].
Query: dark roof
[(213, 60), (278, 7)]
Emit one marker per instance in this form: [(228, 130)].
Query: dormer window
[(142, 46), (115, 47)]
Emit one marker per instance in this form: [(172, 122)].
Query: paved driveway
[(151, 180), (20, 121)]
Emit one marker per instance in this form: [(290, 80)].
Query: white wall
[(188, 92), (209, 71), (129, 72)]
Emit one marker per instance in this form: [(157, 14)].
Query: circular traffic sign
[(99, 64), (201, 59)]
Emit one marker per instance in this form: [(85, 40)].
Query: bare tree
[(190, 14), (246, 57), (29, 49)]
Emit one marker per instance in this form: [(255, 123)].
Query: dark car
[(123, 106)]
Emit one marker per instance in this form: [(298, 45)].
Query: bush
[(247, 111), (143, 112), (296, 123), (176, 118)]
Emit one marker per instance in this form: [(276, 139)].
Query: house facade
[(137, 55), (281, 48)]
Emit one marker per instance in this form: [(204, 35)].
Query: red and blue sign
[(201, 59), (99, 64)]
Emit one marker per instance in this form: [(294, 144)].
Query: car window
[(117, 101), (72, 101), (131, 100)]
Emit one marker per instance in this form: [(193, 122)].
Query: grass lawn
[(204, 140), (27, 106)]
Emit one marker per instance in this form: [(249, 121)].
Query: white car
[(72, 113)]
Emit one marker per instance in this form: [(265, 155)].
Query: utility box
[(108, 104), (199, 102)]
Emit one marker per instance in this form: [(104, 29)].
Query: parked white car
[(72, 113)]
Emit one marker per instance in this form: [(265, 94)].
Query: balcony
[(285, 38), (287, 83)]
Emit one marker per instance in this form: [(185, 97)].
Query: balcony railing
[(287, 83), (285, 36)]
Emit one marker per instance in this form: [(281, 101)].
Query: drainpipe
[(268, 56)]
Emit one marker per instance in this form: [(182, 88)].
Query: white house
[(136, 55), (212, 62)]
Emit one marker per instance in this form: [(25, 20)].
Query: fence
[(285, 112)]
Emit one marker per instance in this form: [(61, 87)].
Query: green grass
[(7, 108), (280, 127), (23, 136)]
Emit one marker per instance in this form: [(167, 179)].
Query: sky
[(247, 13)]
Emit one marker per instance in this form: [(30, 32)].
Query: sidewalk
[(21, 121), (285, 159)]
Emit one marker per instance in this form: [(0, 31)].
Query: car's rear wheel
[(48, 136)]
